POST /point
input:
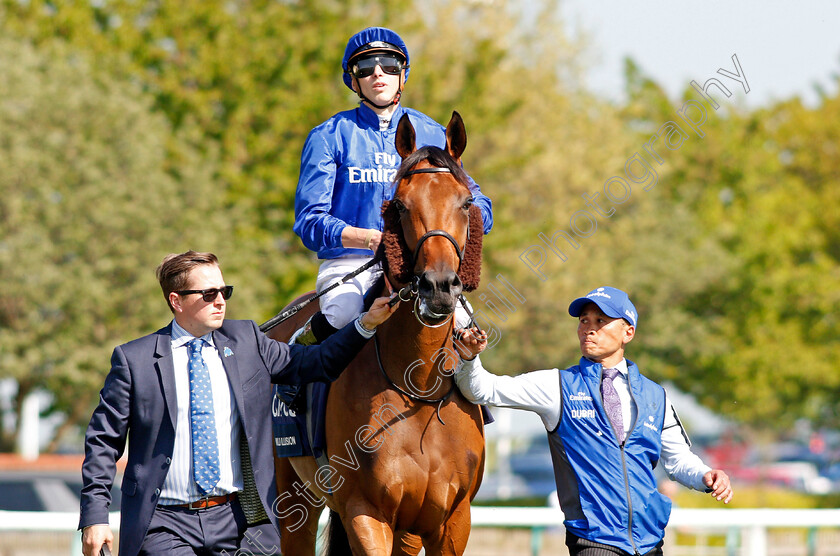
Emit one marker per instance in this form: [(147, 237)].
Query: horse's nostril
[(440, 282), (451, 284), (425, 284)]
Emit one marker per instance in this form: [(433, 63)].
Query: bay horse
[(405, 450)]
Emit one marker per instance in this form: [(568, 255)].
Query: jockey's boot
[(316, 330)]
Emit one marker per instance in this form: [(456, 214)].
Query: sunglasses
[(209, 295), (366, 66)]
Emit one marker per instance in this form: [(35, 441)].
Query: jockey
[(346, 172)]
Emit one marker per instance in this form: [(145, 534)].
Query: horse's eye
[(400, 206), (467, 204)]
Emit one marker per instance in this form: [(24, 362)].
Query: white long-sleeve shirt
[(539, 391)]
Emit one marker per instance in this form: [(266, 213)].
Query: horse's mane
[(394, 250)]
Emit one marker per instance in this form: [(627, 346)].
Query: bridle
[(412, 288)]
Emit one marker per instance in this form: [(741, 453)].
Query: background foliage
[(129, 130)]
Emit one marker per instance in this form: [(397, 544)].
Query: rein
[(280, 317), (409, 395)]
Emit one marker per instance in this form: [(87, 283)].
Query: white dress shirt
[(179, 486), (539, 391)]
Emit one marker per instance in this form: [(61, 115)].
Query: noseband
[(441, 233)]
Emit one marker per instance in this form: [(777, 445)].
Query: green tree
[(758, 188), (88, 208), (551, 146), (254, 77), (731, 257)]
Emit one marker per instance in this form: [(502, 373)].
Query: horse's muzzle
[(439, 291)]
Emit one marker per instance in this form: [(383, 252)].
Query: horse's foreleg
[(407, 544), (368, 535), (296, 512)]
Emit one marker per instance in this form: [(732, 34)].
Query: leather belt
[(208, 502)]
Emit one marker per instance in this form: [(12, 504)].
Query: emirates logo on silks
[(384, 170)]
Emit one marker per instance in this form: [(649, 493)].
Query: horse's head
[(432, 234)]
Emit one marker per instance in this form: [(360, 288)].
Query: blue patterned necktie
[(205, 447), (612, 403)]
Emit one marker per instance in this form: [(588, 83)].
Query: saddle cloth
[(301, 432)]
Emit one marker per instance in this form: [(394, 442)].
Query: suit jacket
[(137, 404)]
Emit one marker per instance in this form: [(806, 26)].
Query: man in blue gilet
[(608, 427)]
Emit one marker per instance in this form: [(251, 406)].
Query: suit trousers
[(218, 531)]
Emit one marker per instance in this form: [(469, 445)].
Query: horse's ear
[(405, 140), (456, 136)]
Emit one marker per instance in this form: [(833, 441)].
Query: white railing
[(749, 525), (746, 528)]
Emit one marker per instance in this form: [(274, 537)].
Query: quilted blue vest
[(608, 491)]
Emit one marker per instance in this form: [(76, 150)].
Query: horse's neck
[(414, 355)]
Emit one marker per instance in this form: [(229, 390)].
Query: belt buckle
[(205, 500)]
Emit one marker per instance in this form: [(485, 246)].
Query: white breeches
[(344, 303)]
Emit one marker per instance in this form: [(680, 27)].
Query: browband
[(432, 170)]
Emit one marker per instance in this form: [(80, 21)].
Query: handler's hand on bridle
[(379, 312), (470, 342)]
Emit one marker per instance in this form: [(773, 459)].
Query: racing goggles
[(366, 66)]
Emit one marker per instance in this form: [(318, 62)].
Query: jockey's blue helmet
[(372, 39)]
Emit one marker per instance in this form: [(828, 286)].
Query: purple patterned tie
[(612, 403)]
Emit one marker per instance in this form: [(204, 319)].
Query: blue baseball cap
[(612, 301)]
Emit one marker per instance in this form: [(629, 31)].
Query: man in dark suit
[(193, 400)]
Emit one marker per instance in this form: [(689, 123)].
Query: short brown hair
[(175, 269)]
